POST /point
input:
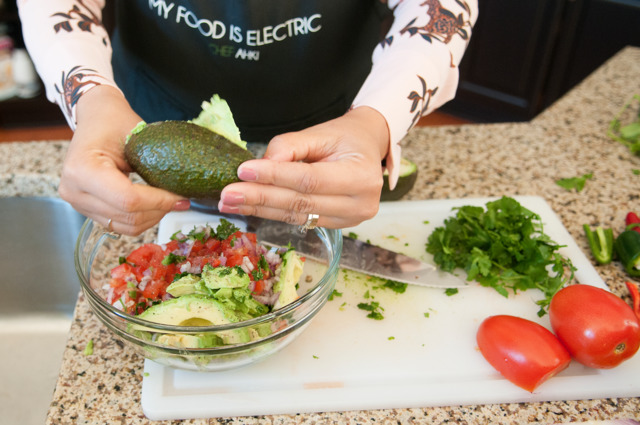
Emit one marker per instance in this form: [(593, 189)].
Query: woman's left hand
[(332, 169)]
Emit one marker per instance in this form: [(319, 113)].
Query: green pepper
[(627, 246), (600, 242)]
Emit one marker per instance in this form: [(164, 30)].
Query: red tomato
[(122, 271), (154, 289), (235, 257), (212, 245), (598, 328), (524, 352), (171, 246), (144, 255), (258, 287)]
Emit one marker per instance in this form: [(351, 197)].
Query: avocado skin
[(185, 158), (403, 186)]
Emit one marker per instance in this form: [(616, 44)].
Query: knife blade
[(365, 258)]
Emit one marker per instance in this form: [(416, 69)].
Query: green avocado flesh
[(184, 158), (406, 180)]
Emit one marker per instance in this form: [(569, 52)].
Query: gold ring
[(109, 226), (312, 222)]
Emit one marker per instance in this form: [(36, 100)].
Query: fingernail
[(232, 198), (182, 205), (230, 209), (247, 174)]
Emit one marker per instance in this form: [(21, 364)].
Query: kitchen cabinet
[(16, 111), (526, 54), (523, 56)]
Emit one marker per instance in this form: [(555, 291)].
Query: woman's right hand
[(95, 172)]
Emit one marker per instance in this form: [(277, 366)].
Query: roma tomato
[(598, 328), (524, 352)]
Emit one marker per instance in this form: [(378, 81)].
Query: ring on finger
[(311, 223)]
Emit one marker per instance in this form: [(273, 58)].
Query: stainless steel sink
[(38, 291)]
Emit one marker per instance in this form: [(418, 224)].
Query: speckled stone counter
[(567, 140)]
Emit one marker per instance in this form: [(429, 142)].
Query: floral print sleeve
[(61, 36), (415, 68)]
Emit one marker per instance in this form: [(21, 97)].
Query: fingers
[(110, 195), (332, 169), (348, 213), (320, 178), (281, 191)]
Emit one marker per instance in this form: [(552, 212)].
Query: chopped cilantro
[(178, 276), (398, 287), (257, 274), (194, 234), (88, 349), (391, 338), (315, 357), (503, 247), (122, 260), (373, 308), (225, 229), (179, 236), (262, 263), (333, 294), (367, 295), (450, 291), (222, 271), (629, 132), (353, 235), (172, 258), (426, 314), (576, 183)]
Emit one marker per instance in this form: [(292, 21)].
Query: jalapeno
[(600, 242), (628, 249)]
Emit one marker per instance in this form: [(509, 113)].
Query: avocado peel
[(406, 180), (187, 157)]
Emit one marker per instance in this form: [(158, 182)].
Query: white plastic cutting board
[(423, 353)]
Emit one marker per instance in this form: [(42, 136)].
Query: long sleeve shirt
[(414, 68)]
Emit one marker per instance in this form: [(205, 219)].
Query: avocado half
[(406, 180), (184, 158)]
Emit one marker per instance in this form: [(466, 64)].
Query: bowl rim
[(84, 274)]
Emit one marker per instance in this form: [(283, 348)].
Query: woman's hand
[(332, 169), (95, 173)]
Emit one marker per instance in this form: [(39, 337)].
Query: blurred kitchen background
[(523, 56)]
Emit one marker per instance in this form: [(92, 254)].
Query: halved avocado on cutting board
[(406, 180)]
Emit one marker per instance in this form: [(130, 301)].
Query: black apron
[(281, 65)]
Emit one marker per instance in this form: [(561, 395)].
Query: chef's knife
[(364, 257)]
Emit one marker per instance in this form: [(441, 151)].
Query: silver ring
[(109, 226), (312, 222)]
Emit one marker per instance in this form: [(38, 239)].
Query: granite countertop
[(567, 140)]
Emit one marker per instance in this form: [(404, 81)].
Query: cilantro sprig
[(576, 183), (627, 134), (374, 309), (503, 247)]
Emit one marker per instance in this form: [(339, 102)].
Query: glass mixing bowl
[(98, 251)]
